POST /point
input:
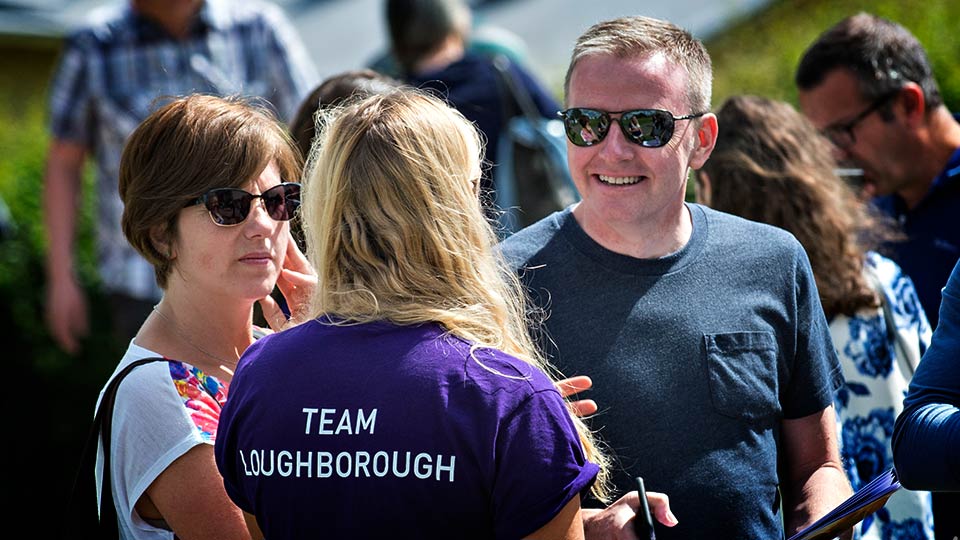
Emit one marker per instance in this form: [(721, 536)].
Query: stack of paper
[(869, 499)]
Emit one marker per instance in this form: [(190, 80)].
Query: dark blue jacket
[(926, 437)]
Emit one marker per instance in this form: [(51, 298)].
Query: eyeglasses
[(650, 128), (842, 135), (230, 206)]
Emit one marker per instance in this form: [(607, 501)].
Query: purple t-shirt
[(385, 431)]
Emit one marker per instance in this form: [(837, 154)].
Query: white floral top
[(868, 404)]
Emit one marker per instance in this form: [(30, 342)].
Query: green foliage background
[(54, 395), (759, 54)]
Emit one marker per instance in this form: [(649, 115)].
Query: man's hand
[(66, 313), (616, 521), (573, 386)]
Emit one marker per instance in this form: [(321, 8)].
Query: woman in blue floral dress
[(771, 165)]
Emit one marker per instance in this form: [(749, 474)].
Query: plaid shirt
[(122, 66)]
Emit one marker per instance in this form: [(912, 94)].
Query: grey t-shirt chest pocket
[(742, 374)]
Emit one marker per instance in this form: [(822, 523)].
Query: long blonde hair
[(396, 230)]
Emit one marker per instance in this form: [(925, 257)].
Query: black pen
[(643, 521)]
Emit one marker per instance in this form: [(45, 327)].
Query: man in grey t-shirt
[(710, 354)]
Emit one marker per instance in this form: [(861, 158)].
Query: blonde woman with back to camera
[(413, 402)]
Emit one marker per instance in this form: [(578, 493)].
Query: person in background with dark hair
[(331, 92), (216, 235), (866, 84), (429, 39), (111, 73), (771, 166)]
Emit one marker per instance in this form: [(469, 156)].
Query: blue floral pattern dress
[(876, 383)]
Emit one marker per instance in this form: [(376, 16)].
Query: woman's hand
[(296, 282)]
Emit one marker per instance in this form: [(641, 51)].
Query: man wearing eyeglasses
[(703, 333), (867, 84), (112, 73)]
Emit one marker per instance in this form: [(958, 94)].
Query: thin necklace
[(176, 330)]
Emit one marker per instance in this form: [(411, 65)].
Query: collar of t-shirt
[(626, 264)]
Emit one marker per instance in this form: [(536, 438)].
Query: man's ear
[(706, 140), (913, 103)]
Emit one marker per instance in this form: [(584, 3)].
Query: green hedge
[(53, 394), (759, 55)]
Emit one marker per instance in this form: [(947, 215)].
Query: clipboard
[(864, 502)]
